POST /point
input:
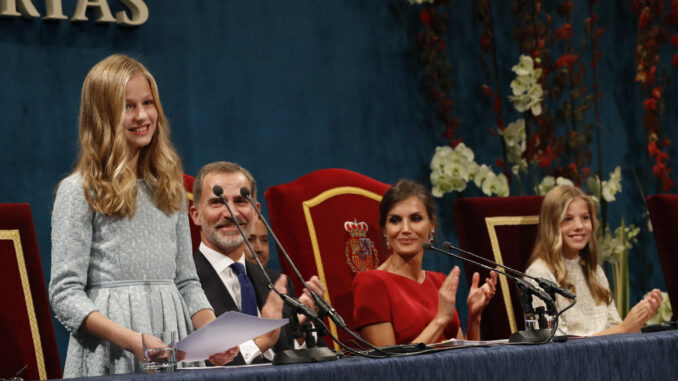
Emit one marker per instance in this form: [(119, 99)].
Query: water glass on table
[(159, 351), (532, 324)]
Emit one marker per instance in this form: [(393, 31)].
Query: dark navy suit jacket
[(222, 302)]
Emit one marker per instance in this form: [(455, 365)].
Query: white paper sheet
[(227, 331), (459, 343)]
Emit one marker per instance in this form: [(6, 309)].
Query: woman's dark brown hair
[(402, 190)]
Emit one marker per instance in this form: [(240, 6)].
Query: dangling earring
[(388, 246), (431, 236)]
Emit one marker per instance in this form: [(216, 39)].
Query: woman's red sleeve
[(371, 302)]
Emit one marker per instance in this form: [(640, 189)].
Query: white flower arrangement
[(527, 91), (614, 249), (516, 143), (449, 169), (495, 184), (664, 313), (612, 186), (480, 174), (593, 183), (612, 245), (549, 182), (453, 169)]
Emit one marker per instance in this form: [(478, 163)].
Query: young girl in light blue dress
[(121, 246)]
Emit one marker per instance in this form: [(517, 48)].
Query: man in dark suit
[(230, 282)]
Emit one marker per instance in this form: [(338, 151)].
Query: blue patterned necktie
[(247, 298)]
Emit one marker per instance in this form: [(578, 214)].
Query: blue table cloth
[(648, 356)]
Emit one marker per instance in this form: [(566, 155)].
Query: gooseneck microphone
[(322, 304), (521, 283), (291, 356), (545, 284), (325, 308), (550, 287), (293, 302), (527, 290)]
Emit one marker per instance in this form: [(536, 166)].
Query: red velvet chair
[(328, 221), (504, 230), (25, 317), (195, 230), (663, 210)]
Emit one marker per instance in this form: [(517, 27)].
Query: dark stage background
[(288, 87)]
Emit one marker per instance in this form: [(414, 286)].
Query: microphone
[(527, 290), (521, 283), (547, 285), (293, 302), (325, 308), (245, 192), (322, 304)]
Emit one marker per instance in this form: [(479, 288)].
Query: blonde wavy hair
[(550, 240), (109, 184)]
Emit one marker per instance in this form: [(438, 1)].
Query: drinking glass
[(159, 351)]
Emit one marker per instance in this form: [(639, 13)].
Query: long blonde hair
[(549, 243), (109, 184)]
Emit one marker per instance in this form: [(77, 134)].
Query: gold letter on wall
[(54, 10), (27, 9), (139, 13), (103, 12)]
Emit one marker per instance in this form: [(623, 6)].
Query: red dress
[(380, 296)]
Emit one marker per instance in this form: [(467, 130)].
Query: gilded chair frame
[(307, 206), (492, 223), (15, 236)]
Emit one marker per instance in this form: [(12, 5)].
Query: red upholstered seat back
[(195, 230), (663, 210), (309, 217), (504, 230), (25, 319)]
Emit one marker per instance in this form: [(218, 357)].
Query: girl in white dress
[(121, 246), (566, 253)]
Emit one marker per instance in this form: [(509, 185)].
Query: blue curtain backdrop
[(285, 88)]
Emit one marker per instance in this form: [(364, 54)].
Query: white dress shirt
[(222, 265)]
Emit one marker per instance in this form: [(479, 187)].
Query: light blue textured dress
[(137, 272)]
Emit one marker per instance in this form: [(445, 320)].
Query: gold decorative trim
[(15, 237), (317, 200), (491, 223), (189, 196)]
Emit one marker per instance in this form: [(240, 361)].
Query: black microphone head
[(447, 245), (244, 192), (218, 190), (426, 245)]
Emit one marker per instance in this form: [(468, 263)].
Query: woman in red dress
[(400, 302)]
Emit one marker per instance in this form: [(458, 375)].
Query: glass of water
[(532, 323), (159, 351)]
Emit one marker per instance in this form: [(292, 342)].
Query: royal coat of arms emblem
[(361, 253)]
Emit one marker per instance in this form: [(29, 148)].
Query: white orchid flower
[(465, 151), (480, 175), (564, 181), (527, 92), (495, 184), (547, 183), (612, 186)]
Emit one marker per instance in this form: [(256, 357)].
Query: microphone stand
[(550, 287), (323, 306), (527, 291), (288, 356)]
